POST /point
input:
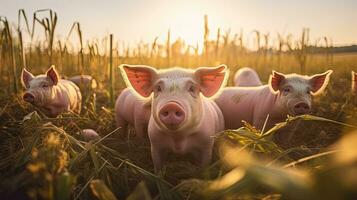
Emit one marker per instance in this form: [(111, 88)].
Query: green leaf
[(64, 185)]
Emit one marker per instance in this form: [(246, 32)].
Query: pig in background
[(134, 111), (246, 77), (88, 87), (86, 83), (283, 95), (182, 119), (51, 94)]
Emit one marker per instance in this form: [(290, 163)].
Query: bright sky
[(135, 20)]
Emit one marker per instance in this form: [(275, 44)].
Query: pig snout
[(28, 97), (171, 115), (302, 108)]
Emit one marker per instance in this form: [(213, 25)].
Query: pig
[(51, 94), (283, 95), (89, 134), (84, 82), (354, 83), (87, 85), (129, 109), (246, 77), (183, 117)]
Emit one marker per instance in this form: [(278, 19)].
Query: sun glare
[(186, 21)]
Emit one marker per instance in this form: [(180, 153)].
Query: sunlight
[(185, 21), (189, 27)]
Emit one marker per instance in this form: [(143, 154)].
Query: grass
[(47, 158)]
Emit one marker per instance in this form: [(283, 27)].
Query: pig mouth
[(29, 97), (299, 108)]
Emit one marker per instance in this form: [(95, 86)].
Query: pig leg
[(158, 156), (141, 130), (120, 122), (203, 156)]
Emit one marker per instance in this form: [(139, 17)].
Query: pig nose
[(302, 108), (171, 115), (28, 97)]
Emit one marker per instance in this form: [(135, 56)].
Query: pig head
[(294, 92), (183, 119)]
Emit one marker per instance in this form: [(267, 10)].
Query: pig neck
[(56, 97), (277, 111)]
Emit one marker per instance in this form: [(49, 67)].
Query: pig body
[(197, 140), (89, 134), (182, 120), (50, 94), (251, 104), (84, 82), (129, 109), (246, 77), (284, 95)]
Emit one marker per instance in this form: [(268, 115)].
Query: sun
[(186, 21), (188, 27)]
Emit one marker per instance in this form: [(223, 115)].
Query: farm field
[(307, 157)]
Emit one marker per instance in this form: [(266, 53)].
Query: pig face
[(295, 91), (354, 82), (39, 89), (176, 93)]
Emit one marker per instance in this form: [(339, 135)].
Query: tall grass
[(286, 54)]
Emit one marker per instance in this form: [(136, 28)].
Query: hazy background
[(142, 20)]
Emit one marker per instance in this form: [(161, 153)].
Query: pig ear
[(319, 82), (139, 77), (354, 81), (26, 77), (53, 75), (211, 79), (275, 80)]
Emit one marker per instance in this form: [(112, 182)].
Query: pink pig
[(130, 109), (354, 82), (51, 94), (246, 77), (183, 120), (84, 82), (284, 95)]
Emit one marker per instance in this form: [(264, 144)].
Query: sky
[(133, 21)]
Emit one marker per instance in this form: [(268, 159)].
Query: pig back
[(84, 82), (70, 93), (128, 105), (240, 103), (246, 77)]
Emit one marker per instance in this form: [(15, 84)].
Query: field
[(47, 158)]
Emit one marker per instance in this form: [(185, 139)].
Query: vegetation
[(47, 158)]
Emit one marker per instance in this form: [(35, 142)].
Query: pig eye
[(192, 88), (45, 86), (193, 91), (158, 88), (286, 90)]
